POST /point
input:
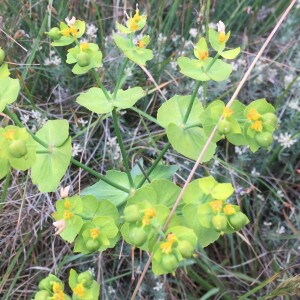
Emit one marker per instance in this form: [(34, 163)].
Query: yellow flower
[(94, 233), (79, 290), (56, 287), (253, 115), (67, 204), (68, 215), (9, 134), (141, 44), (216, 205), (84, 46), (166, 247), (257, 126), (65, 32), (229, 210), (149, 214), (227, 112), (203, 55)]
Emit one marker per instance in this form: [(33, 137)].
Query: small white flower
[(280, 193), (36, 115), (294, 104), (285, 140), (111, 290), (92, 271), (161, 39), (173, 65), (91, 31), (24, 119), (280, 230), (261, 197), (71, 21), (288, 79), (193, 32), (76, 149), (254, 173), (82, 122), (128, 72), (221, 26), (212, 25), (268, 224), (159, 286)]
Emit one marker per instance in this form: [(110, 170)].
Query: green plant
[(148, 221)]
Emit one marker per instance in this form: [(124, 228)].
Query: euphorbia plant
[(139, 206)]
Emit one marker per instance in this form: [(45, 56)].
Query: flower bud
[(83, 59), (238, 220), (169, 262), (224, 127), (185, 248), (138, 236), (86, 278), (92, 245), (17, 148), (270, 119), (42, 295), (219, 222), (264, 139), (132, 213), (54, 33)]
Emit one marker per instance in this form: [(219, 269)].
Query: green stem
[(5, 189), (73, 161), (101, 85), (120, 77), (212, 62), (186, 116), (123, 152), (157, 160), (43, 152), (204, 94)]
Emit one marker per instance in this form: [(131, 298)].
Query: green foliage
[(17, 149), (83, 286), (51, 163), (9, 87), (85, 57), (96, 101), (139, 55)]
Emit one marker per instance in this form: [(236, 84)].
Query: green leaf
[(166, 191), (205, 236), (193, 68), (160, 172), (102, 190), (4, 72), (126, 99), (214, 40), (4, 167), (92, 208), (138, 55), (210, 118), (122, 28), (219, 71), (194, 194), (174, 110), (220, 191), (190, 142), (9, 91), (261, 106), (49, 168), (95, 100), (231, 54)]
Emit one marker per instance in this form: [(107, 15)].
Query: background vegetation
[(267, 183)]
